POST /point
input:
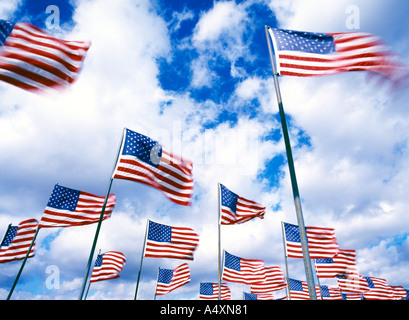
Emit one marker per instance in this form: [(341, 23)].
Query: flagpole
[(140, 265), (285, 261), (22, 265), (89, 282), (318, 279), (156, 288), (91, 255), (5, 235), (219, 240), (296, 195)]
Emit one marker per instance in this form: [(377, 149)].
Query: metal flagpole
[(91, 255), (140, 265), (296, 195), (157, 280), (22, 265), (285, 261), (220, 248), (89, 282), (7, 231)]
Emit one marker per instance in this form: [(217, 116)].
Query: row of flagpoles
[(145, 161), (163, 241)]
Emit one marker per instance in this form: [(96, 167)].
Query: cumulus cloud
[(349, 142)]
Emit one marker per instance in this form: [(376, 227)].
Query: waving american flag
[(171, 279), (210, 291), (306, 54), (18, 240), (235, 209), (69, 207), (322, 242), (108, 266), (36, 61), (247, 271), (163, 241), (145, 161)]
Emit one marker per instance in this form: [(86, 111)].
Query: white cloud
[(224, 19), (351, 177)]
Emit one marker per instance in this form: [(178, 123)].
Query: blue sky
[(196, 76)]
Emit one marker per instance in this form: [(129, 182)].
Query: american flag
[(144, 160), (351, 296), (164, 241), (210, 291), (399, 293), (107, 266), (330, 293), (298, 289), (255, 296), (378, 289), (305, 54), (342, 264), (274, 281), (36, 61), (354, 283), (247, 271), (18, 240), (322, 242), (68, 207), (236, 209), (170, 279)]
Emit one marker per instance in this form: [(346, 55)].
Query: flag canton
[(232, 262), (295, 285), (370, 282), (98, 262), (250, 296), (159, 232), (310, 42), (64, 198), (229, 199), (5, 29), (325, 292), (165, 275), (206, 288), (142, 147), (8, 239), (324, 260), (292, 232)]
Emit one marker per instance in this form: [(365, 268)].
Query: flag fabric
[(399, 293), (378, 289), (210, 291), (108, 266), (247, 271), (306, 54), (69, 207), (171, 279), (274, 281), (342, 264), (17, 241), (351, 296), (330, 293), (322, 242), (36, 61), (163, 241), (255, 296), (298, 289), (235, 209), (354, 283), (145, 161)]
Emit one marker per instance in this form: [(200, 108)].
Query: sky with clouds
[(196, 76)]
